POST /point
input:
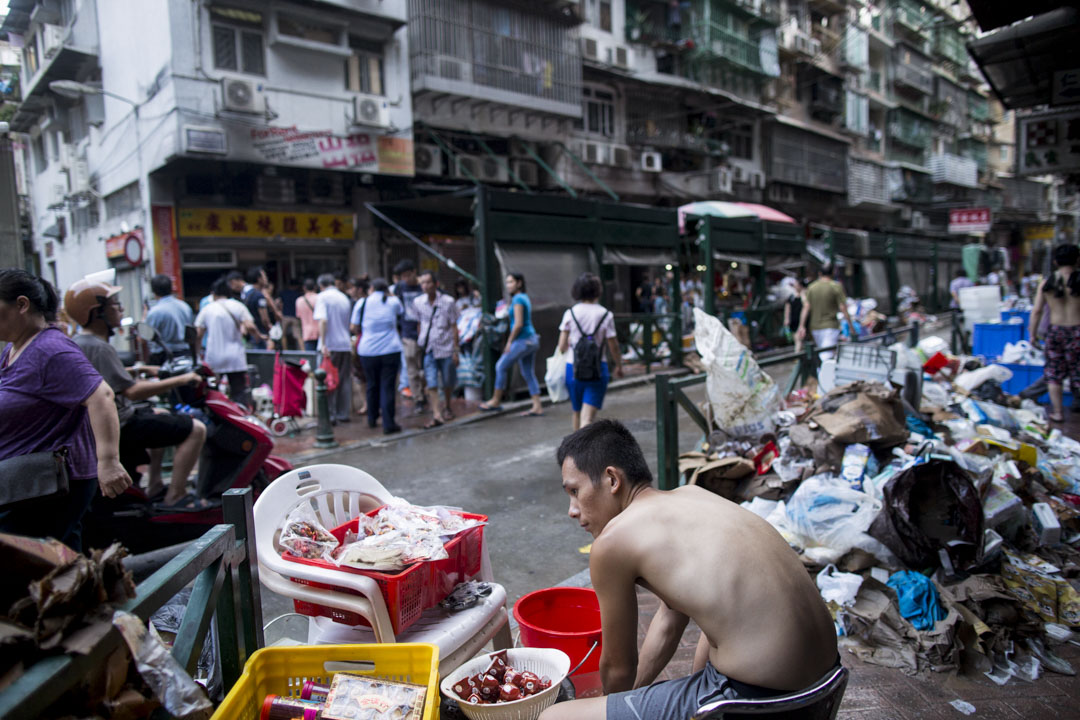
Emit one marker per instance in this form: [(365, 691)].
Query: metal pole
[(324, 434), (705, 239), (913, 340)]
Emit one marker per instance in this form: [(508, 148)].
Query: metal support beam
[(439, 256), (705, 240), (603, 185), (486, 265), (445, 147)]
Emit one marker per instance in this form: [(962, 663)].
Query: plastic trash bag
[(930, 507), (302, 535), (168, 619), (974, 378), (555, 377), (743, 399), (838, 587)]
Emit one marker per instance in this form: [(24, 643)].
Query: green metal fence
[(671, 395), (641, 335), (222, 564)]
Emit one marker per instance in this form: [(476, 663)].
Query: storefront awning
[(731, 257), (648, 257)]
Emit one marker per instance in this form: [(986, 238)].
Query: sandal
[(489, 408), (530, 413), (187, 504), (447, 416), (433, 424)]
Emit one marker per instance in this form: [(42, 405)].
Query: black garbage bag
[(930, 507)]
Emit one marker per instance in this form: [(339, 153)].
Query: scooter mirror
[(146, 331)]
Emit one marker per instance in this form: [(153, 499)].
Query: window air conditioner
[(527, 170), (427, 159), (620, 156), (492, 170), (652, 162), (590, 49), (622, 57), (757, 181), (597, 153), (52, 39), (371, 111), (463, 165), (243, 95), (721, 181)]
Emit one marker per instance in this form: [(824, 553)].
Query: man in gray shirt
[(169, 316), (96, 307)]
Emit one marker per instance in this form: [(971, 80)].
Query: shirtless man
[(765, 629), (1061, 293)]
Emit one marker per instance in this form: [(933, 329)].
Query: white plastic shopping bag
[(555, 377)]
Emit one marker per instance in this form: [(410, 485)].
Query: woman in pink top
[(305, 310), (588, 318)]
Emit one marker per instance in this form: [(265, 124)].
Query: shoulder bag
[(33, 477)]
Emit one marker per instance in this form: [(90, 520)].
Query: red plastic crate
[(407, 593)]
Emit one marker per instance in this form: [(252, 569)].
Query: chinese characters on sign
[(360, 152), (166, 247), (225, 222), (969, 220), (1049, 143)]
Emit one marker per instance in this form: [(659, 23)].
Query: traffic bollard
[(324, 434)]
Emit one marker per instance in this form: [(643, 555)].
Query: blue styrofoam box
[(990, 339), (1024, 315)]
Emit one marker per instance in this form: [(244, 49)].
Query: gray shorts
[(680, 699)]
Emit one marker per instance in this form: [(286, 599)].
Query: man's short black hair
[(605, 443), (233, 275), (1066, 255), (253, 274), (161, 285), (309, 284), (961, 273), (431, 273), (404, 266)]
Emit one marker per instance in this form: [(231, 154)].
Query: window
[(605, 16), (1004, 153), (238, 44), (364, 68), (740, 141), (30, 57), (598, 112), (41, 158), (123, 201)]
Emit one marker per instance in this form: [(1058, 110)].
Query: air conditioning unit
[(428, 159), (59, 193), (527, 170), (622, 57), (781, 193), (590, 49), (371, 111), (620, 156), (450, 67), (652, 162), (326, 189), (273, 190), (205, 140), (597, 153), (738, 174), (905, 213), (520, 148), (243, 95), (757, 181), (918, 220), (80, 174), (813, 46), (721, 181), (52, 39), (492, 170), (463, 165)]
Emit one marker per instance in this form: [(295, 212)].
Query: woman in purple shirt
[(52, 397)]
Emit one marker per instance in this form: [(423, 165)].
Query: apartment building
[(193, 137)]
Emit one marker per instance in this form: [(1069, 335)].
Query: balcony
[(803, 158), (909, 131), (913, 78), (954, 170), (765, 10), (978, 108), (867, 183), (1024, 195), (949, 44), (737, 49), (826, 101), (914, 17), (476, 49)]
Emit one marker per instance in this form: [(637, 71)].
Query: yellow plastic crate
[(283, 670)]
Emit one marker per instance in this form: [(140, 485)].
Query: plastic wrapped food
[(357, 697), (302, 535)]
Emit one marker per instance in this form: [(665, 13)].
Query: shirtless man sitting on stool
[(765, 629)]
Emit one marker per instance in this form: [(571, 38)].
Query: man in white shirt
[(223, 323), (332, 310)]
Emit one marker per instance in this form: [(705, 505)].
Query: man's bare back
[(730, 572), (1065, 310)]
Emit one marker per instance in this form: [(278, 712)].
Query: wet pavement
[(504, 467)]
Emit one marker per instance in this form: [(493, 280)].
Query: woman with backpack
[(521, 347), (584, 329)]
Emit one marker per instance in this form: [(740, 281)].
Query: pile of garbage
[(58, 601), (943, 529)]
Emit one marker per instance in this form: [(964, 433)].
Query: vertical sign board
[(1048, 142), (166, 248), (965, 221)]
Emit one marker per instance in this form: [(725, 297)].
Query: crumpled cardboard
[(719, 475), (877, 633), (1041, 589), (768, 487), (862, 412)]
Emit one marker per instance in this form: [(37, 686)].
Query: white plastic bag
[(974, 378), (743, 398), (838, 587), (555, 377)]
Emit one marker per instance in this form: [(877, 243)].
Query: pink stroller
[(289, 396)]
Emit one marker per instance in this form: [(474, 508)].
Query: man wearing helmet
[(97, 309)]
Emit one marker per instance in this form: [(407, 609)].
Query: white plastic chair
[(339, 493)]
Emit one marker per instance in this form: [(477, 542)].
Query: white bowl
[(542, 661)]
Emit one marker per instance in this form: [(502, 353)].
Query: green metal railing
[(721, 42), (223, 567), (949, 43), (913, 15), (640, 337), (671, 395)]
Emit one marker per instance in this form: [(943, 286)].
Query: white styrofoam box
[(1045, 524)]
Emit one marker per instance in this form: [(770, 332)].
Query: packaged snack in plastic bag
[(302, 535)]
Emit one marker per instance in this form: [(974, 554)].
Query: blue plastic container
[(1025, 375), (990, 339), (1024, 315)]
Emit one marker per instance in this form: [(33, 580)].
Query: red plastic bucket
[(563, 618)]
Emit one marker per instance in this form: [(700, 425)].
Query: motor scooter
[(237, 454)]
